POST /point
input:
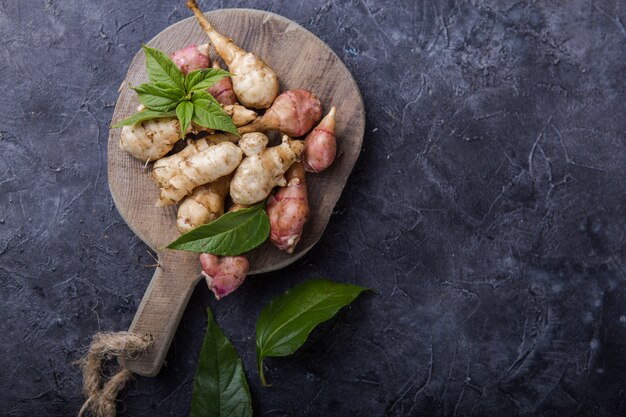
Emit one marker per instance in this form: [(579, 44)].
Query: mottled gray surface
[(487, 209)]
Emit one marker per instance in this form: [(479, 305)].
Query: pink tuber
[(223, 90), (288, 210), (223, 275), (293, 113), (320, 146), (191, 58)]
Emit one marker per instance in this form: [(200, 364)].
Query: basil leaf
[(285, 323), (159, 96), (220, 388), (200, 80), (184, 111), (142, 116), (161, 69), (208, 112), (229, 235)]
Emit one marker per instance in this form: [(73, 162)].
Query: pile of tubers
[(216, 170)]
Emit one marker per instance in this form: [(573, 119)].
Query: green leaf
[(142, 116), (220, 388), (161, 69), (285, 323), (159, 96), (184, 111), (202, 79), (230, 235), (208, 112)]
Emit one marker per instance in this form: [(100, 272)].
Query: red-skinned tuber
[(293, 113), (223, 89), (223, 275), (288, 210), (320, 146), (191, 58)]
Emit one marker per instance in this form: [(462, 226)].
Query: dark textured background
[(487, 209)]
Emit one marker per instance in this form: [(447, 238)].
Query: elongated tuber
[(288, 210), (223, 89), (263, 168), (223, 275), (165, 168), (241, 116), (293, 113), (199, 168), (205, 204), (191, 58), (254, 82), (320, 146), (151, 139)]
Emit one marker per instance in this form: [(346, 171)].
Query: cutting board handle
[(162, 307)]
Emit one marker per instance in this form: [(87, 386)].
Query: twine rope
[(101, 394)]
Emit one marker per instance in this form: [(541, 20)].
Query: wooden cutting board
[(300, 60)]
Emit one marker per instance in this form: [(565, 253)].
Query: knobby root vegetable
[(191, 58), (293, 113), (263, 168), (151, 139), (241, 116), (223, 275), (205, 204), (223, 90), (254, 82), (320, 146), (288, 210), (165, 168), (199, 168)]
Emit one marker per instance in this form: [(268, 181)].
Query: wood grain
[(301, 60)]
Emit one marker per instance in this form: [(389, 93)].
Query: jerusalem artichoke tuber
[(199, 168), (151, 139), (262, 169), (288, 210), (165, 168), (320, 146), (293, 113), (204, 205), (223, 275), (191, 58), (223, 90), (254, 82)]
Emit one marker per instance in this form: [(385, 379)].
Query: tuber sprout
[(293, 113), (241, 116), (320, 146), (254, 82), (288, 210), (263, 168), (223, 274)]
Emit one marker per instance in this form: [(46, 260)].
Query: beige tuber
[(254, 82), (263, 168), (205, 204), (151, 139), (197, 169)]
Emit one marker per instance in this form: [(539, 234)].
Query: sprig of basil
[(229, 235), (286, 322), (220, 388), (170, 89)]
